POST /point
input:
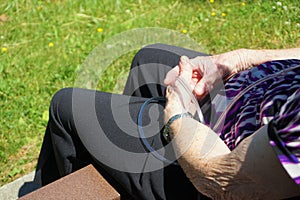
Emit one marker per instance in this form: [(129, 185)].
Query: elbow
[(221, 178)]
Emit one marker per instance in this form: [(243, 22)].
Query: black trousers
[(92, 127)]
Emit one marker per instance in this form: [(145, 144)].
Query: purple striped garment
[(268, 94)]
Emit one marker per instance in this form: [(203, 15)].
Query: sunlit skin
[(215, 171)]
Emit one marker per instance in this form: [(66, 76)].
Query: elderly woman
[(246, 147)]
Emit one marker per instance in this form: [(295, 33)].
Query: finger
[(171, 94), (201, 88), (169, 91), (173, 105), (185, 86), (185, 69), (171, 75)]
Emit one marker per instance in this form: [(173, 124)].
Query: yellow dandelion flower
[(224, 14), (243, 4), (213, 14), (4, 49), (184, 31), (51, 44), (100, 30), (211, 1)]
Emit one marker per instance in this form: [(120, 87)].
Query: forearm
[(197, 145), (196, 139), (260, 56), (252, 170), (238, 60), (256, 57)]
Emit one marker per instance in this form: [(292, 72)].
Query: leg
[(149, 68), (73, 140)]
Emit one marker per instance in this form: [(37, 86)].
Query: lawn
[(44, 43)]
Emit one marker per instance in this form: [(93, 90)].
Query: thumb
[(171, 76)]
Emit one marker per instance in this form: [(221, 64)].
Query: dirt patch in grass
[(24, 162), (3, 18)]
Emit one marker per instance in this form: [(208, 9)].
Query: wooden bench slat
[(85, 183)]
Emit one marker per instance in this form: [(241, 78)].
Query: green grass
[(31, 70)]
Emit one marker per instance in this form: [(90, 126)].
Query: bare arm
[(281, 54), (241, 59), (250, 171), (210, 70)]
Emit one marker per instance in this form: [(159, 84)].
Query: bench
[(85, 183)]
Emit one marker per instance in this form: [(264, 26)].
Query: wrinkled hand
[(203, 74), (179, 94), (173, 106), (208, 71), (235, 61)]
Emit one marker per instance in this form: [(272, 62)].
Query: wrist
[(172, 123), (224, 68)]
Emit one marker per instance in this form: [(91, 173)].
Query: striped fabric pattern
[(272, 98)]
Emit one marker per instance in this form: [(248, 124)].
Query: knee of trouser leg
[(61, 103), (61, 95), (143, 51), (146, 52)]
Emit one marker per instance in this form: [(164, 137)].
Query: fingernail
[(184, 59)]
